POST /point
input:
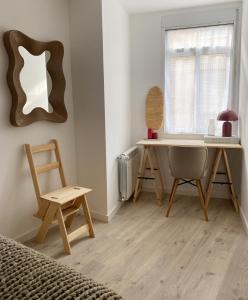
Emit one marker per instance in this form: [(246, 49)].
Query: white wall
[(116, 48), (147, 70), (42, 20), (243, 92), (88, 92)]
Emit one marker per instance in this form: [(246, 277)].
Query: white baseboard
[(30, 235), (106, 218), (99, 217), (114, 211), (27, 236), (244, 220)]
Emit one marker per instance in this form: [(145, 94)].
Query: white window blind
[(198, 76)]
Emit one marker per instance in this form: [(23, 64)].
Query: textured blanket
[(26, 275)]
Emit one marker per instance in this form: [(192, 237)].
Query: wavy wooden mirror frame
[(12, 40)]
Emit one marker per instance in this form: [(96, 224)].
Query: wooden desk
[(150, 156)]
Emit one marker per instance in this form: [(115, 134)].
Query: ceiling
[(142, 6)]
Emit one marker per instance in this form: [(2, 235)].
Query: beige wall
[(88, 91), (43, 20), (101, 87)]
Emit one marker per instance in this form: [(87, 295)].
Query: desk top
[(186, 143)]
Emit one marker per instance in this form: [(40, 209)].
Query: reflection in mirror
[(35, 80)]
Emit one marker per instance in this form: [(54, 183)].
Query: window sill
[(182, 136)]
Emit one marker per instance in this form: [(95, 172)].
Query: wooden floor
[(143, 255)]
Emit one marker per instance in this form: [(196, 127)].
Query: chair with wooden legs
[(188, 166), (59, 206)]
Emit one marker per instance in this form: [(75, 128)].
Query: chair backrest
[(188, 162), (36, 170)]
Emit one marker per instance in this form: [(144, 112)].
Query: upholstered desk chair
[(188, 166)]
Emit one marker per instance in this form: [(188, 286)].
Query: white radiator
[(128, 164)]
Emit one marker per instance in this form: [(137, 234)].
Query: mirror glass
[(35, 80)]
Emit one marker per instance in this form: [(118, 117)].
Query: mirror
[(35, 80)]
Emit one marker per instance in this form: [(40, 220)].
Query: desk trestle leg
[(221, 154), (149, 163)]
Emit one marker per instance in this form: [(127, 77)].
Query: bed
[(26, 274)]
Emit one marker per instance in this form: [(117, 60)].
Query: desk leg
[(212, 176), (229, 176), (154, 178), (141, 172), (219, 154), (159, 170), (149, 154)]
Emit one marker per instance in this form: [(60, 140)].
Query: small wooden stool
[(61, 205)]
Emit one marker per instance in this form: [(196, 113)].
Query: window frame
[(206, 11)]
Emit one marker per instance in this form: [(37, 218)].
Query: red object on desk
[(155, 135), (149, 133), (227, 116)]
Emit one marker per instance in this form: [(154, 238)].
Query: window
[(198, 72)]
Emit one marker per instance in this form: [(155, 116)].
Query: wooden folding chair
[(61, 205)]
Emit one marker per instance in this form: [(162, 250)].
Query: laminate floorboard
[(143, 255)]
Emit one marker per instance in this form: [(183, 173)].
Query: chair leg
[(173, 191), (63, 231), (202, 199), (50, 214), (87, 216)]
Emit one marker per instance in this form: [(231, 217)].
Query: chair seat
[(66, 194)]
